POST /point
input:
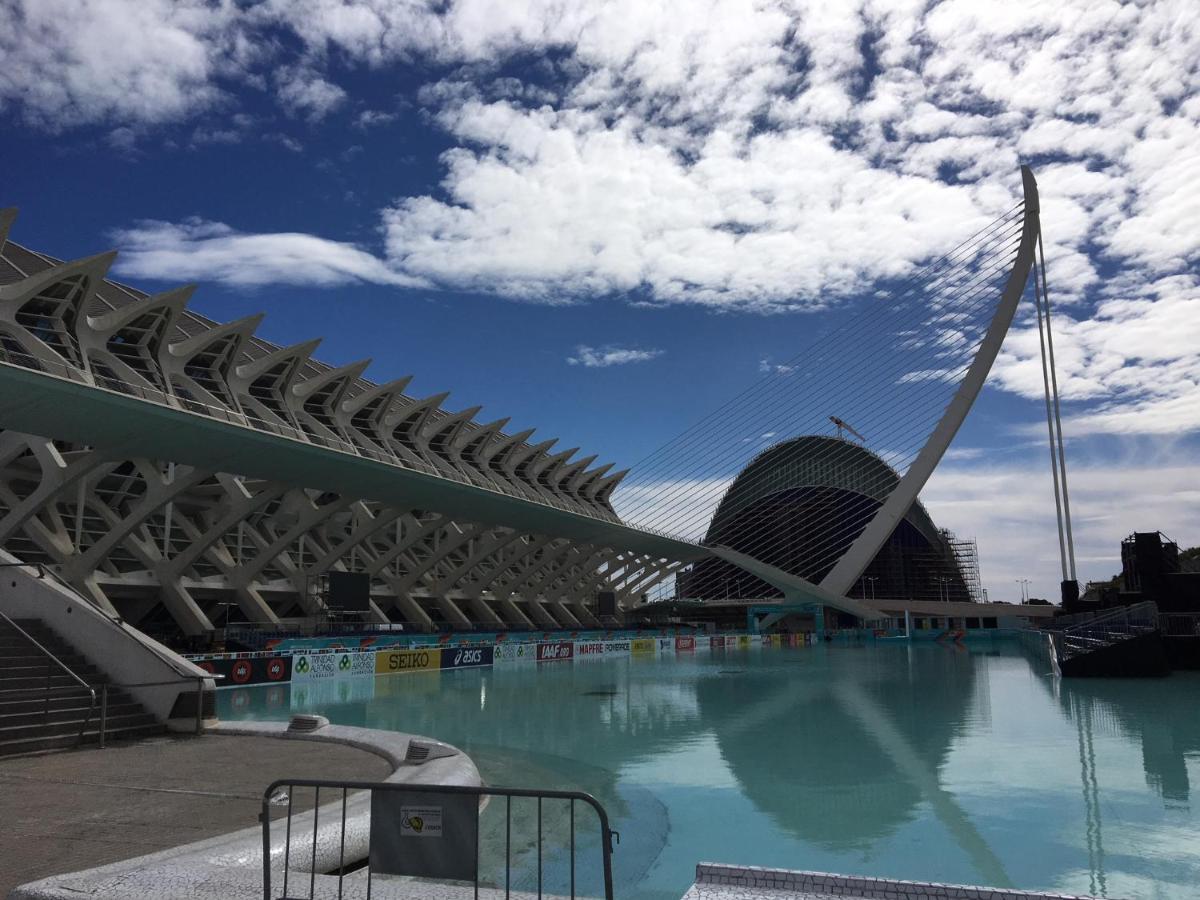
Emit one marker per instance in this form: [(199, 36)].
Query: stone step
[(35, 701), (76, 713), (41, 667), (72, 726), (15, 683), (42, 743), (33, 718)]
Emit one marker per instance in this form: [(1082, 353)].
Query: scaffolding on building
[(966, 556)]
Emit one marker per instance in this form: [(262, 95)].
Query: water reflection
[(862, 747), (884, 760), (1134, 709)]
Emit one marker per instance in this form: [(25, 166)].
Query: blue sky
[(676, 196)]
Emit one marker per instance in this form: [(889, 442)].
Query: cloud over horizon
[(767, 157)]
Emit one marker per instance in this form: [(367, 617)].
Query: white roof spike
[(300, 352), (8, 215)]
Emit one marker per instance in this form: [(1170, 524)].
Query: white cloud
[(211, 251), (766, 367), (371, 118), (752, 157), (303, 92), (70, 62), (1133, 359), (562, 204), (603, 357)]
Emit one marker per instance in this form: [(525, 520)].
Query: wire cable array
[(888, 372)]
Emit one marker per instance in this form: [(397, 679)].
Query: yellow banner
[(389, 661), (744, 642), (642, 645), (776, 640)]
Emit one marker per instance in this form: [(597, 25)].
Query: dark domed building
[(800, 505)]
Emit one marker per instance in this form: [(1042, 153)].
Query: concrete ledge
[(231, 866), (721, 882)]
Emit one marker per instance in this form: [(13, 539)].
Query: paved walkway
[(62, 812)]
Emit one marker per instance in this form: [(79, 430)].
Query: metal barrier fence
[(1104, 630), (1179, 624), (398, 838)]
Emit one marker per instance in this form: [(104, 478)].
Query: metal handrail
[(199, 679), (1069, 623), (607, 834), (1140, 618), (87, 687)]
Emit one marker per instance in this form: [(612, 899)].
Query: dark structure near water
[(1152, 568), (790, 506)]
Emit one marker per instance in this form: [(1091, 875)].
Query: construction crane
[(846, 426)]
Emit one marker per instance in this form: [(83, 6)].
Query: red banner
[(555, 651), (685, 643)]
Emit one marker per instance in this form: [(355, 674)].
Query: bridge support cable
[(903, 370), (1058, 457)]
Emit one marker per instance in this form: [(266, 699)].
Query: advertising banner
[(389, 661), (513, 653), (309, 666), (665, 644), (685, 643), (642, 645), (616, 648), (463, 657), (591, 648), (249, 670), (717, 642), (555, 651), (743, 642)]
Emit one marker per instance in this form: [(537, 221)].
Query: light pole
[(1024, 583), (872, 579)]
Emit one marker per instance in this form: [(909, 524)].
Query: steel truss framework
[(158, 541), (170, 467)]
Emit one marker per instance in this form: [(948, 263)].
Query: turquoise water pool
[(907, 761)]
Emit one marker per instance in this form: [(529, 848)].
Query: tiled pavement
[(717, 882), (63, 812)]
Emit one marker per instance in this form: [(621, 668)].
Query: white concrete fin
[(31, 299), (605, 486), (296, 354), (480, 437), (243, 328), (380, 398), (171, 302), (94, 266), (346, 374), (8, 215), (506, 443), (586, 480)]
